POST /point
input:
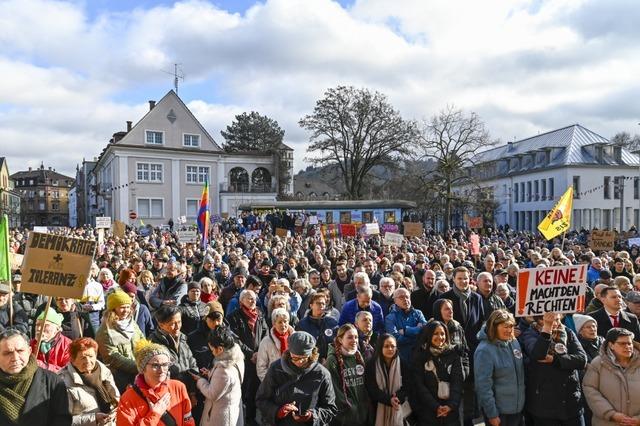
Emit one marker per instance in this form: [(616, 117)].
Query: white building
[(528, 177), (157, 169)]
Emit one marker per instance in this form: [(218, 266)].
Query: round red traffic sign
[(133, 215)]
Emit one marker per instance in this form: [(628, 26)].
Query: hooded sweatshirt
[(352, 400)]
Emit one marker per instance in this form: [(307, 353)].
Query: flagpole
[(564, 236)]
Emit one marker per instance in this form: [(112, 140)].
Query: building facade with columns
[(527, 177), (157, 169)]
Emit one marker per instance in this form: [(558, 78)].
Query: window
[(636, 188), (551, 189), (149, 172), (529, 192), (345, 217), (55, 206), (576, 187), (522, 199), (389, 216), (328, 218), (154, 138), (191, 140), (606, 187), (515, 193), (618, 187), (31, 182), (367, 217), (54, 183), (193, 205), (543, 184), (197, 174), (150, 207), (536, 190), (41, 205), (55, 194)]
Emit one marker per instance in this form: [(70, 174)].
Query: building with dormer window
[(527, 177), (157, 168)]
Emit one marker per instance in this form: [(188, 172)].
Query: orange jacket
[(134, 411)]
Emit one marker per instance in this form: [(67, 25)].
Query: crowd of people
[(321, 331)]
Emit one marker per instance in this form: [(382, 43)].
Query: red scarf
[(283, 339), (252, 316), (208, 297)]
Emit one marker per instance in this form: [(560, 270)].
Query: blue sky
[(74, 71)]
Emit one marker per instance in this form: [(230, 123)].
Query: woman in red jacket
[(154, 399), (53, 354)]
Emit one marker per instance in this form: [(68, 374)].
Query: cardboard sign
[(601, 240), (119, 229), (103, 222), (281, 232), (16, 261), (558, 289), (476, 222), (393, 239), (474, 239), (188, 236), (412, 229), (55, 265), (371, 229)]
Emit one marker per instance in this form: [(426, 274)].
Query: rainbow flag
[(204, 213)]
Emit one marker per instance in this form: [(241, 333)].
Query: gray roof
[(570, 140)]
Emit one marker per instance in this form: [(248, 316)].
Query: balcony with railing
[(245, 187)]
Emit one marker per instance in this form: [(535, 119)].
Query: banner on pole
[(55, 265), (103, 222), (558, 289)]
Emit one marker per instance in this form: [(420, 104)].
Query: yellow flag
[(559, 218)]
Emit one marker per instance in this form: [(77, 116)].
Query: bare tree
[(357, 130), (453, 140), (632, 143)]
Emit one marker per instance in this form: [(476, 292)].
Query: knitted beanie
[(581, 320), (52, 316), (145, 350), (301, 343), (116, 299)]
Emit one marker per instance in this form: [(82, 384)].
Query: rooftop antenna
[(177, 75)]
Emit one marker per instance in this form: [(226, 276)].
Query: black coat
[(311, 389), (20, 318), (553, 390), (422, 299), (378, 395), (46, 403), (249, 342), (183, 359), (475, 316), (424, 397), (591, 347), (628, 321)]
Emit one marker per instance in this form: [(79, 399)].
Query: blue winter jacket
[(499, 376), (351, 308), (411, 322)]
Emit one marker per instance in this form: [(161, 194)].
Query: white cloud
[(70, 81)]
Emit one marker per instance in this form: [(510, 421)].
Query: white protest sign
[(393, 239), (188, 236), (371, 229), (41, 229), (56, 266), (182, 219), (103, 222), (313, 220), (632, 242), (558, 289)]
